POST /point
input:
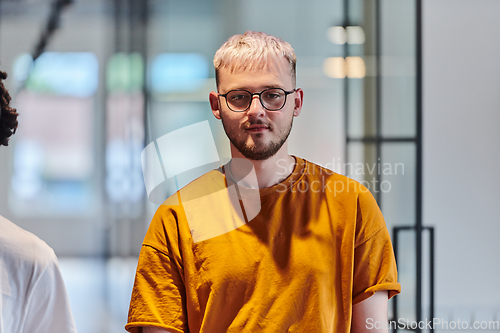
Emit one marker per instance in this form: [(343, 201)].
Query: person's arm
[(48, 308), (370, 315), (159, 296)]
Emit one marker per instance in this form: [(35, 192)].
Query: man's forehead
[(244, 77), (270, 64)]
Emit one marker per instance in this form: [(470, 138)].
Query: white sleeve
[(48, 309)]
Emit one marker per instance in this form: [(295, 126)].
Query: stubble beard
[(258, 151)]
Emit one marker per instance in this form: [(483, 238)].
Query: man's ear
[(298, 100), (213, 98)]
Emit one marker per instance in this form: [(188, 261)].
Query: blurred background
[(399, 94)]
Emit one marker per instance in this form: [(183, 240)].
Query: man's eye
[(238, 97), (273, 96)]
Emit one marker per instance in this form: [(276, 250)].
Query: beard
[(258, 151)]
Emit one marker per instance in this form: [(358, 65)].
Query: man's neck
[(269, 172)]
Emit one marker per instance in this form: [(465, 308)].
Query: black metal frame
[(130, 35), (378, 140), (346, 83), (52, 25), (395, 238), (418, 183)]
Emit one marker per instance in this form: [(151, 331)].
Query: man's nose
[(256, 109)]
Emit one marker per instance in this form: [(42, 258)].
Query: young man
[(269, 242), (32, 293)]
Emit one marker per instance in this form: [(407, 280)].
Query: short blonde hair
[(253, 50)]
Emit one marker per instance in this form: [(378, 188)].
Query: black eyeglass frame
[(260, 98)]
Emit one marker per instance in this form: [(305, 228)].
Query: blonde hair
[(253, 50)]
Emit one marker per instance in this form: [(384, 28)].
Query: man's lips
[(257, 128)]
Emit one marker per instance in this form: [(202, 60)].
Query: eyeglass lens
[(272, 99)]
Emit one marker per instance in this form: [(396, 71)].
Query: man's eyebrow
[(263, 88)]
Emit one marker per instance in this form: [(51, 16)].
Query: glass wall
[(382, 134)]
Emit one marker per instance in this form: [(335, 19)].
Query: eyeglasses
[(273, 99)]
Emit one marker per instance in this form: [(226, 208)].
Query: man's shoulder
[(18, 243), (210, 182)]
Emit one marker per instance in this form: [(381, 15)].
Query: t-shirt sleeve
[(374, 262), (158, 296), (48, 305)]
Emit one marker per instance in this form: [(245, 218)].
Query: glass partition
[(383, 131)]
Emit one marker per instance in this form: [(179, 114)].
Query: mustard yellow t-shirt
[(294, 257)]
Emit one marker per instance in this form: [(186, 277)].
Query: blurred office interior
[(409, 85)]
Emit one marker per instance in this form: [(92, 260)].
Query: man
[(269, 242), (33, 297)]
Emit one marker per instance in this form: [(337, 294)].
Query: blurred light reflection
[(339, 68)]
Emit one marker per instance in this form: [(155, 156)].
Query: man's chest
[(272, 249)]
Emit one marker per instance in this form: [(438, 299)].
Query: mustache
[(249, 123)]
